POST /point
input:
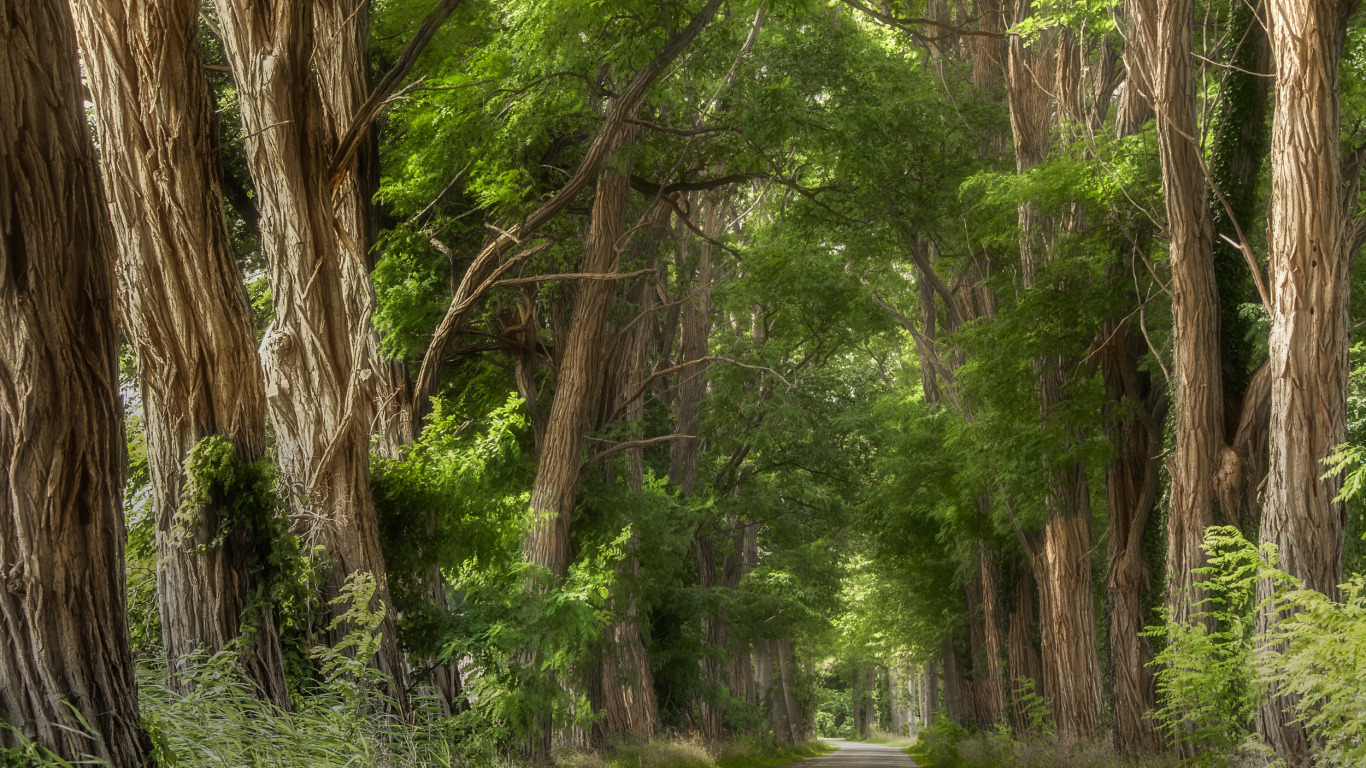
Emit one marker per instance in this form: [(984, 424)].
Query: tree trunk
[(184, 312), (342, 68), (1163, 30), (796, 720), (1071, 674), (1132, 486), (768, 671), (630, 708), (915, 709), (896, 709), (1310, 238), (320, 385), (870, 702), (932, 702), (957, 693), (1062, 565), (858, 692), (713, 638), (1021, 654), (67, 672), (578, 381), (991, 691), (342, 29), (557, 474), (741, 660)]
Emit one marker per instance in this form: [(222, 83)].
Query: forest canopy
[(608, 382)]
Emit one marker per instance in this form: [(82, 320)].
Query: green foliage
[(1205, 676), (1035, 709), (452, 505), (834, 718), (26, 753), (1317, 654), (1211, 681), (140, 549), (241, 494), (214, 717), (244, 500)]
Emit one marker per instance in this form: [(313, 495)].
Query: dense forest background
[(433, 382)]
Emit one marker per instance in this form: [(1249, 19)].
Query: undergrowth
[(945, 745)]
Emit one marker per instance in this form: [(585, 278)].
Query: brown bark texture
[(320, 384), (1310, 238), (1021, 654), (65, 655), (184, 312), (629, 706), (1132, 484), (1163, 32), (576, 386), (990, 683), (1061, 562)]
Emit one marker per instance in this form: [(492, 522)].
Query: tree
[(579, 379), (320, 376), (1071, 673), (1164, 32), (185, 313), (1312, 238), (66, 676)]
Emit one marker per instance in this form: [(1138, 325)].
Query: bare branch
[(598, 457), (379, 96), (572, 276)]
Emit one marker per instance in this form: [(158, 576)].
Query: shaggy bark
[(1163, 31), (184, 312), (630, 708), (991, 689), (1132, 485), (576, 386), (1061, 563), (1310, 238), (320, 384), (1021, 654), (66, 666)]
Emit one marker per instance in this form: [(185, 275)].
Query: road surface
[(853, 754)]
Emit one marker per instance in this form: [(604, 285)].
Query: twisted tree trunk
[(66, 669), (319, 377), (185, 314)]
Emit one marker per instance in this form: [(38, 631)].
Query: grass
[(774, 756), (918, 750), (685, 753)]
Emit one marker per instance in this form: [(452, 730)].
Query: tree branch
[(379, 96), (624, 107), (598, 457)]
